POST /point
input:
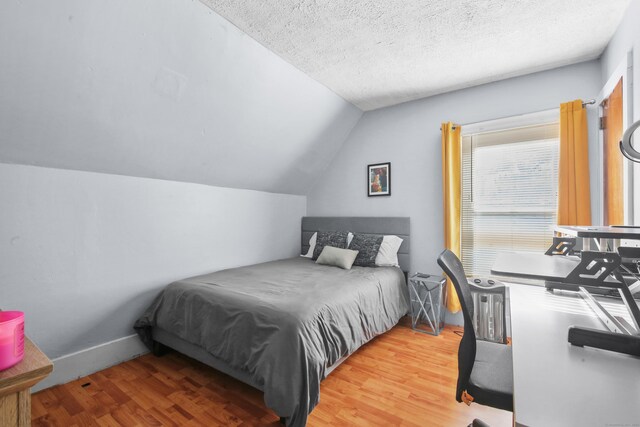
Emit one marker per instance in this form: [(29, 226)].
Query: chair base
[(478, 423)]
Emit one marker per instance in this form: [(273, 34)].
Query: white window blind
[(509, 193)]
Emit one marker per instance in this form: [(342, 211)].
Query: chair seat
[(491, 381)]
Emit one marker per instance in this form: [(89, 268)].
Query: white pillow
[(312, 245), (337, 257), (388, 252)]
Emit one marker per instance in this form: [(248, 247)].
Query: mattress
[(283, 324)]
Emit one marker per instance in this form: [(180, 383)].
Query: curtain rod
[(584, 104)]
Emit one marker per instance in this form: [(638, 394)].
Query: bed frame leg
[(159, 349)]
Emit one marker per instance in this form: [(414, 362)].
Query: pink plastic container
[(11, 338)]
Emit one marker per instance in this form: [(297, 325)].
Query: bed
[(283, 326)]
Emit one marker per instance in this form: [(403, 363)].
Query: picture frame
[(379, 179)]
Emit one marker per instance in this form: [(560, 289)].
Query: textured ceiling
[(384, 52)]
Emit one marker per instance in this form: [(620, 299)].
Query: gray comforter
[(284, 322)]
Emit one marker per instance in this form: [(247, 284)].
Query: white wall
[(166, 90), (83, 254), (625, 40), (162, 89), (408, 135)]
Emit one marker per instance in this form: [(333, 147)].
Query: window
[(509, 193)]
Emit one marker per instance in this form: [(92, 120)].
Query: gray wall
[(161, 89), (102, 96), (626, 39), (408, 135), (84, 253)]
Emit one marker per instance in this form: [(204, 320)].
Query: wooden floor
[(402, 378)]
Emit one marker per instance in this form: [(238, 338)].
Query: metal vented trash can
[(426, 299), (489, 303)]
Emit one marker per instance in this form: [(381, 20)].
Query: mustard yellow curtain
[(451, 190), (574, 192)]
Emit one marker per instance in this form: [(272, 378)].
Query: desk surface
[(557, 384), (33, 368), (534, 266), (600, 232)]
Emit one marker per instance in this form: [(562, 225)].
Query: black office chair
[(485, 369)]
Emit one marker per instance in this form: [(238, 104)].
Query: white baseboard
[(84, 362)]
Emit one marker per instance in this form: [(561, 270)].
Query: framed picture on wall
[(379, 179)]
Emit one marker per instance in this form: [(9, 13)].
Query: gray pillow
[(342, 258), (367, 246), (337, 239)]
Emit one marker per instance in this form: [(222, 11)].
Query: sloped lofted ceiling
[(376, 53), (167, 90)]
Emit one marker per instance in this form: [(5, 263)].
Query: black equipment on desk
[(612, 341), (489, 302), (600, 272)]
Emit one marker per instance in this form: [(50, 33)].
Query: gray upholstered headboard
[(400, 226)]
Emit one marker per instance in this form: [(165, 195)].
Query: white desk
[(556, 384)]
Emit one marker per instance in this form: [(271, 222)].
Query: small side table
[(15, 382), (426, 299)]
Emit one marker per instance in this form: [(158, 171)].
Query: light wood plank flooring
[(402, 378)]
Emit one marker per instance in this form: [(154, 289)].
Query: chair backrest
[(452, 266)]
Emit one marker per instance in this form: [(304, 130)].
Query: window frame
[(516, 124)]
